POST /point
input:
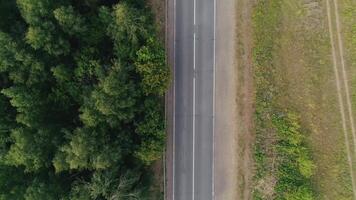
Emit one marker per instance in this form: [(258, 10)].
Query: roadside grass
[(294, 81), (284, 165)]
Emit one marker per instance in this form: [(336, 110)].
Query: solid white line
[(194, 123), (174, 98), (214, 69), (194, 63), (193, 176)]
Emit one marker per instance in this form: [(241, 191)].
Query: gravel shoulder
[(225, 103)]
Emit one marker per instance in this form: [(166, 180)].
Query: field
[(297, 81)]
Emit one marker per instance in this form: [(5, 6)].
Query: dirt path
[(337, 60), (345, 78), (245, 98)]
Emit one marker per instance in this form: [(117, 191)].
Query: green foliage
[(301, 193), (27, 149), (27, 103), (116, 96), (7, 52), (33, 10), (108, 185), (81, 85), (296, 166), (130, 29), (10, 17), (152, 133), (71, 22), (42, 33), (7, 116), (152, 67), (44, 190), (45, 37), (88, 149), (13, 183)]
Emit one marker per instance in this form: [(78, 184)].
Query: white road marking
[(174, 98), (193, 176), (194, 63), (214, 66)]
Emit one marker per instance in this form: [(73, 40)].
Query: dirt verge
[(245, 97)]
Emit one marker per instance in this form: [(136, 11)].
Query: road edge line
[(214, 89), (194, 97)]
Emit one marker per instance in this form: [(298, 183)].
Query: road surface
[(193, 97)]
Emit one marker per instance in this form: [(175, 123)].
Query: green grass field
[(294, 74)]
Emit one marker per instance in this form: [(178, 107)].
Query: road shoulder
[(225, 170)]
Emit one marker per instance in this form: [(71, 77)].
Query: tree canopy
[(81, 89)]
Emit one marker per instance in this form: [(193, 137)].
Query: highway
[(193, 100)]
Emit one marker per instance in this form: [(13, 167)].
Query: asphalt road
[(193, 113)]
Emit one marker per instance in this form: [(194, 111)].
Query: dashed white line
[(214, 68), (194, 63)]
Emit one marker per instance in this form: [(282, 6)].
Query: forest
[(81, 99)]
